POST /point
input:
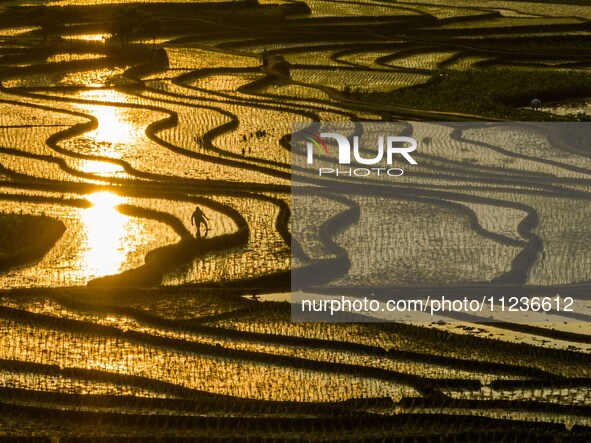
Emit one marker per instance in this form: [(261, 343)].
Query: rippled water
[(98, 241)]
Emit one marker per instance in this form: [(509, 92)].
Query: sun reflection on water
[(105, 230), (89, 37), (101, 167), (113, 126)]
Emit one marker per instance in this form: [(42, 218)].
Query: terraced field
[(124, 324)]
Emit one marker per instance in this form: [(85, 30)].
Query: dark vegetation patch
[(554, 46), (26, 238), (498, 93)]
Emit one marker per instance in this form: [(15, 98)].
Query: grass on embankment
[(493, 92), (26, 238)]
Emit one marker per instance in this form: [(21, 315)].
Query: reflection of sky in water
[(98, 241)]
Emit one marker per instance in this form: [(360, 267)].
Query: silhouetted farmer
[(197, 219), (265, 58)]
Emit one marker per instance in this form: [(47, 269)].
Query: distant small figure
[(197, 219), (265, 57), (243, 152), (536, 103)]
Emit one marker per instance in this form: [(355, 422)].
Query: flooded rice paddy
[(127, 315)]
